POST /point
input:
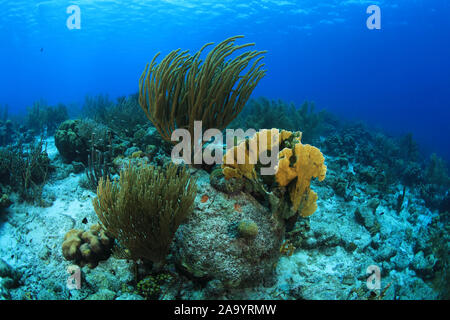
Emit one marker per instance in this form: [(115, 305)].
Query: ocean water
[(389, 71), (395, 77)]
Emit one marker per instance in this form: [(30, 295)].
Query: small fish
[(84, 221), (381, 213), (204, 198), (42, 49), (237, 207)]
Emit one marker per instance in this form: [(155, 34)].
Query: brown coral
[(87, 247)]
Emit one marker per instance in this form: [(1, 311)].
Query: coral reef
[(368, 219), (76, 138), (12, 131), (123, 117), (9, 279), (6, 132), (25, 169), (42, 117), (97, 108), (258, 114), (436, 171), (245, 252), (381, 162), (243, 235)]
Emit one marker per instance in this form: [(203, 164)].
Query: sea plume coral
[(143, 210), (182, 88)]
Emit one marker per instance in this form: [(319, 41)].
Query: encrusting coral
[(247, 229), (87, 247), (297, 165), (151, 287)]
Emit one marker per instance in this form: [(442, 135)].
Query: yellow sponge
[(296, 161), (250, 149), (309, 163)]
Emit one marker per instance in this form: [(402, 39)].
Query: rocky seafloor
[(331, 250)]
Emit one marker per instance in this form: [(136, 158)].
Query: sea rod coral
[(182, 88)]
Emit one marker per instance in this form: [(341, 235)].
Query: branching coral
[(436, 171), (258, 114), (99, 166), (42, 117), (25, 169), (75, 139), (144, 209), (182, 88)]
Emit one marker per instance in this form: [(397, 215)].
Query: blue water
[(397, 78)]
